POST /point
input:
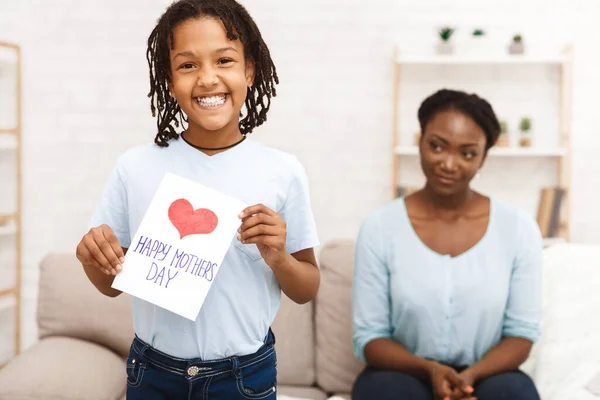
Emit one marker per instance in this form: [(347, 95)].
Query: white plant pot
[(445, 47), (516, 48), (476, 45)]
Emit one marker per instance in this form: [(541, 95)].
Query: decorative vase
[(525, 140), (475, 45), (516, 48), (445, 47), (503, 140)]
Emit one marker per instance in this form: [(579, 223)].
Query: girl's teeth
[(211, 101)]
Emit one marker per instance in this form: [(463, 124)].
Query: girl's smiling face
[(210, 76)]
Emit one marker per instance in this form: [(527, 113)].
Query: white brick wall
[(85, 86)]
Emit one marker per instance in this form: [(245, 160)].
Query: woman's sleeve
[(524, 307), (370, 289)]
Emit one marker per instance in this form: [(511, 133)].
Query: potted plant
[(477, 43), (516, 46), (479, 38), (525, 128), (445, 45), (503, 140), (478, 33)]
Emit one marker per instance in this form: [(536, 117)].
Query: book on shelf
[(549, 211)]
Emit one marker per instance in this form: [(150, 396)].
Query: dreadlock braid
[(238, 25)]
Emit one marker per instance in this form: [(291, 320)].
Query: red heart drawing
[(189, 221)]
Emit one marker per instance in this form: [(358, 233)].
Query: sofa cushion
[(299, 393), (593, 385), (70, 305), (64, 369), (336, 365), (294, 343), (570, 340)]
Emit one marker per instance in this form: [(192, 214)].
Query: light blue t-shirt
[(449, 309), (244, 297)]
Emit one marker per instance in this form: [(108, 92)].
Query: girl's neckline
[(212, 149), (471, 249), (232, 149)]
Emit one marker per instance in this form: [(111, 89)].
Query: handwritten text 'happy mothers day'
[(180, 261)]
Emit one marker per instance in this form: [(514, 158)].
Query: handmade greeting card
[(176, 254)]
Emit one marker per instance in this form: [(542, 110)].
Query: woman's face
[(452, 149)]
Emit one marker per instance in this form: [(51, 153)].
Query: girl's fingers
[(266, 230)]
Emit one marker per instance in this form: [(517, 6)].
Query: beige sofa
[(85, 338)]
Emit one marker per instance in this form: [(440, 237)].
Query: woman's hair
[(239, 25), (473, 106)]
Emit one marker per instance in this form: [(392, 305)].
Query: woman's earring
[(478, 174)]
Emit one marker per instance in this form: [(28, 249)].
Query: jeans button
[(193, 371)]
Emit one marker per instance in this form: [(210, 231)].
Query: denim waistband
[(197, 366)]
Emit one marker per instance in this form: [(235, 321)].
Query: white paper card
[(177, 252)]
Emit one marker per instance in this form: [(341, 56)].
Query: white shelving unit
[(10, 201), (499, 151), (446, 64), (481, 60)]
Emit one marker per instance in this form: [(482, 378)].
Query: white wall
[(86, 80)]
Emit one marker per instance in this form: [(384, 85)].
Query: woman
[(447, 281)]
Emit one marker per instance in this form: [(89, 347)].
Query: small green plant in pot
[(525, 128), (445, 45), (503, 139), (478, 43), (516, 45)]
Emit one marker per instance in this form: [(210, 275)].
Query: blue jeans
[(153, 375), (387, 385)]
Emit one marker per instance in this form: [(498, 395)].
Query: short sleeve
[(112, 208), (370, 289), (524, 306), (297, 212)]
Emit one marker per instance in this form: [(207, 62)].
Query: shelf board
[(494, 59), (7, 292), (11, 131), (4, 218), (498, 151)]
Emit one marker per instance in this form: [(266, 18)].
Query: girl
[(207, 60), (447, 285)]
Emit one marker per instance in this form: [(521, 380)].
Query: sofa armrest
[(60, 368), (70, 305)]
